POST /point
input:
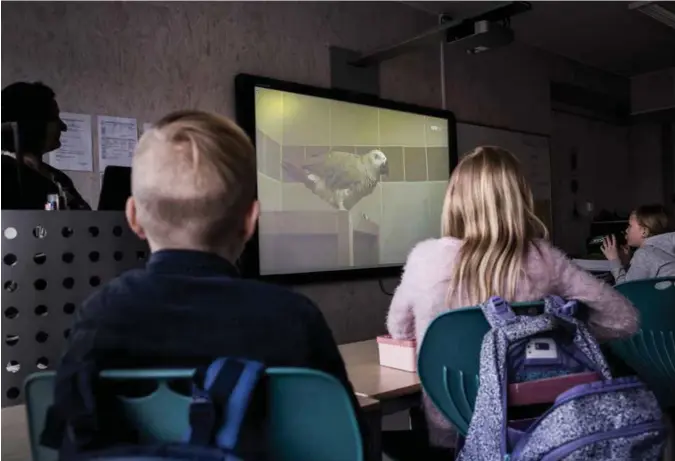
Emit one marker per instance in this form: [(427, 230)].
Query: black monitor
[(116, 188), (348, 183)]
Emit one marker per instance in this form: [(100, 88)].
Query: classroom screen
[(342, 185)]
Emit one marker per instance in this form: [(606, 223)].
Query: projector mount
[(475, 34)]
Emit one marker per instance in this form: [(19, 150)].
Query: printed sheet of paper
[(75, 153), (117, 137)]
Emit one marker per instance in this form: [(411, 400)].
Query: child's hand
[(624, 255), (609, 248)]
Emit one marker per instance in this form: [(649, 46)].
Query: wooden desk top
[(372, 380), (367, 403)]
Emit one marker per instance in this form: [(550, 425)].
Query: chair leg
[(418, 422), (669, 452)]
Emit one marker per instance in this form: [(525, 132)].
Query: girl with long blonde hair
[(493, 244)]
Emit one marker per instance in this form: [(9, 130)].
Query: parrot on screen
[(341, 179)]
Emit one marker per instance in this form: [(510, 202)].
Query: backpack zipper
[(568, 396), (562, 451), (503, 442)]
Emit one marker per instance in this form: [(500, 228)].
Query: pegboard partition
[(51, 262)]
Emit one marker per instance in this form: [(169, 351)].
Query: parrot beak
[(384, 169)]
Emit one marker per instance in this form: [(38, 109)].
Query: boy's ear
[(132, 218), (251, 220)]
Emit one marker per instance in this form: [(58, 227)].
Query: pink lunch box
[(397, 353)]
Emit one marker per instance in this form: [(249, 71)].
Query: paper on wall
[(75, 152), (117, 137)]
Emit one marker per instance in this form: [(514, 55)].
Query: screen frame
[(245, 85)]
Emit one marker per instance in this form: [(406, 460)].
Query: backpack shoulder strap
[(584, 340), (498, 312), (221, 397), (566, 309)]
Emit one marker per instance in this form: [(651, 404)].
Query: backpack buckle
[(567, 308), (501, 310)]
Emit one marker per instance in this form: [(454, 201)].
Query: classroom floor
[(15, 446)]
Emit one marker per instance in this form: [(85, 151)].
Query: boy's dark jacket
[(185, 309)]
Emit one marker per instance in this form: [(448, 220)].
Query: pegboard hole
[(13, 393), (40, 284), (66, 333), (42, 336), (11, 313), (94, 256), (93, 231), (11, 286), (41, 310), (67, 257), (118, 256), (141, 255), (67, 232), (68, 283), (42, 363), (117, 231), (39, 232), (40, 258), (94, 281), (68, 308), (10, 233), (13, 366), (10, 259), (11, 339)]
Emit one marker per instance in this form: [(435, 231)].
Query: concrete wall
[(653, 91), (144, 59), (652, 151)]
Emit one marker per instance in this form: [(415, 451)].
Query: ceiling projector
[(486, 36)]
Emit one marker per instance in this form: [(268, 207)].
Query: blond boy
[(193, 199)]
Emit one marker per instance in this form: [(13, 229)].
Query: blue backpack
[(221, 395), (609, 419)]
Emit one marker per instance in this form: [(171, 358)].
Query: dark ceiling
[(605, 35)]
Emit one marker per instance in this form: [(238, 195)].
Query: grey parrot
[(341, 178)]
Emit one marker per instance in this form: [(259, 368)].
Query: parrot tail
[(298, 174)]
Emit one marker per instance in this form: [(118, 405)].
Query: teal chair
[(310, 414), (651, 352), (449, 360)]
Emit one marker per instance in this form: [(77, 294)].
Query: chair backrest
[(310, 414), (651, 352), (449, 360)]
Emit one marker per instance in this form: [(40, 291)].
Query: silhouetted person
[(33, 107)]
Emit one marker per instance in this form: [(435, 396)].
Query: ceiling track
[(446, 30)]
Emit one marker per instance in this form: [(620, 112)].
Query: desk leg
[(418, 423), (373, 418)]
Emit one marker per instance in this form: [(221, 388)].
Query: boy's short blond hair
[(194, 181)]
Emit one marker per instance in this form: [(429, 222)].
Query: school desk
[(396, 390)]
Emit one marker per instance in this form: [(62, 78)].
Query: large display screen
[(344, 185)]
